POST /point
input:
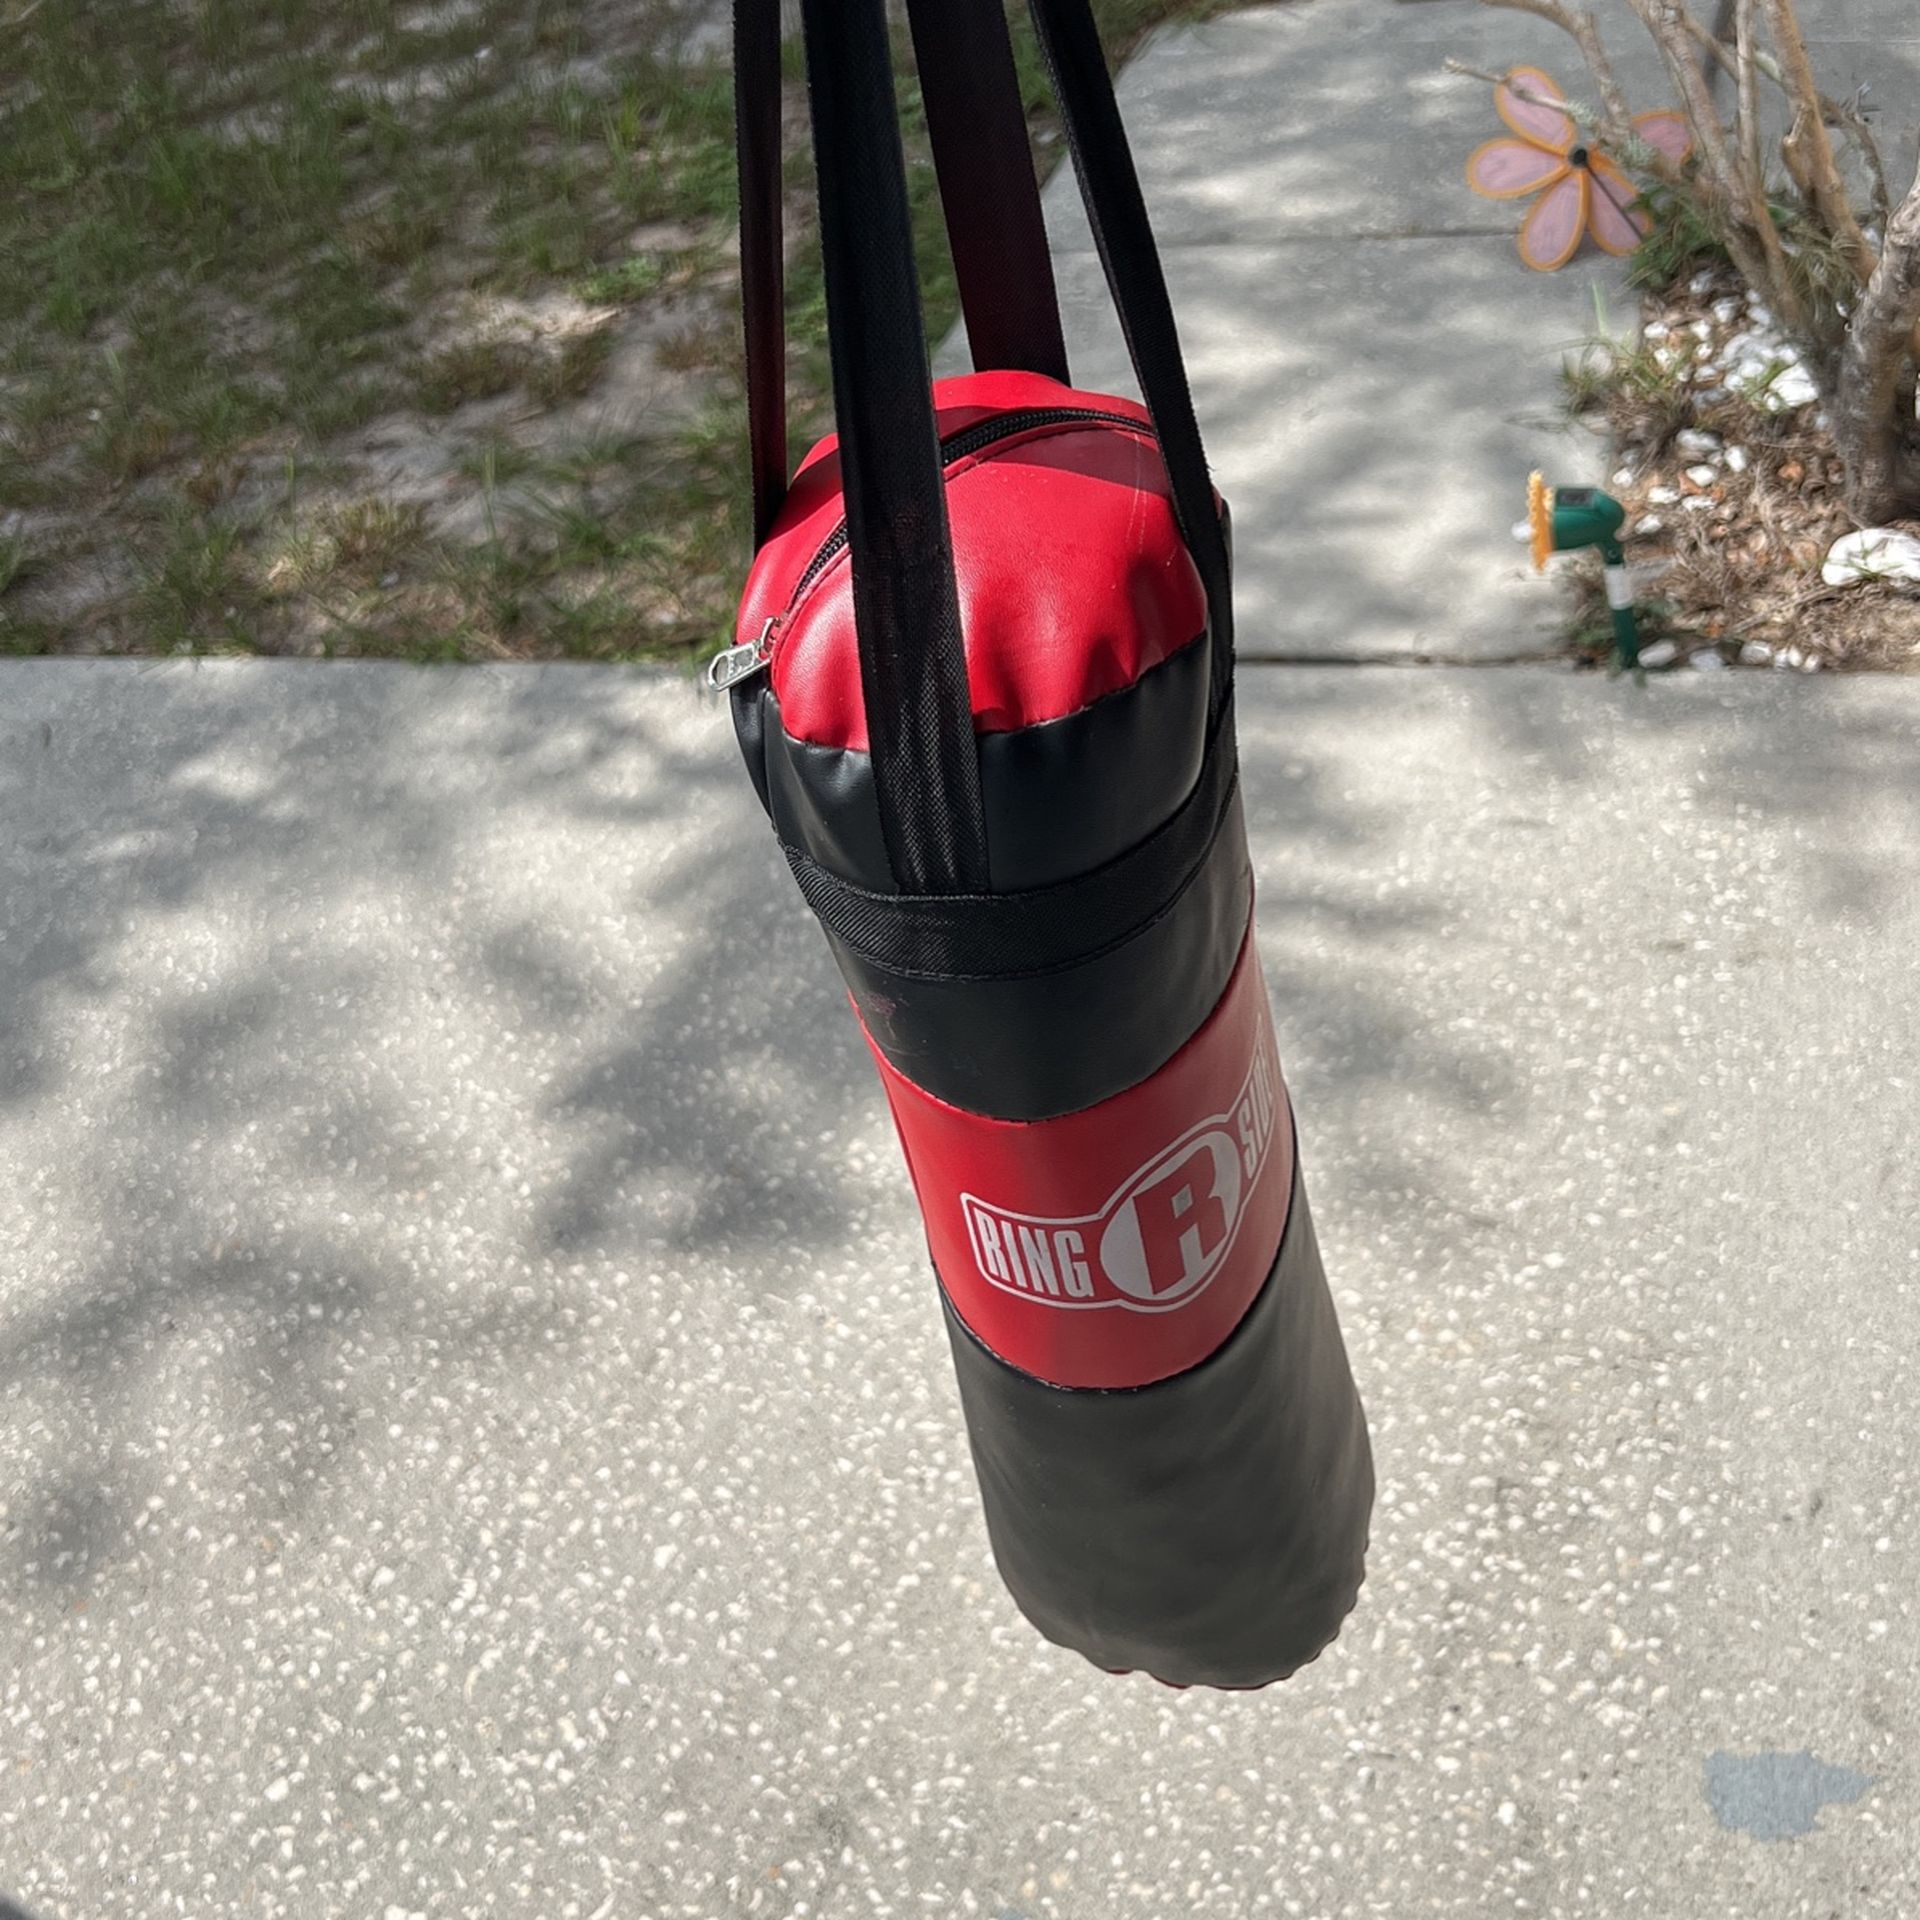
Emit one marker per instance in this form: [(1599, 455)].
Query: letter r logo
[(1182, 1222), (1166, 1235)]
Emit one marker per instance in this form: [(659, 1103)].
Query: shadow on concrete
[(219, 1193), (239, 898), (235, 900)]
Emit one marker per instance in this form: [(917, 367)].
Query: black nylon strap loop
[(1117, 213), (977, 126), (978, 129), (757, 144), (913, 667), (985, 936)]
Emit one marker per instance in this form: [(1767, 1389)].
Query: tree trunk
[(1873, 422)]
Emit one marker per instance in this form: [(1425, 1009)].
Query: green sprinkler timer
[(1565, 519)]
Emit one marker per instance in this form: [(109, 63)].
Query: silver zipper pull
[(728, 669)]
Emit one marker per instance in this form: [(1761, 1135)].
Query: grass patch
[(372, 536), (326, 168), (1681, 241), (1685, 240), (569, 372), (225, 226), (496, 462), (198, 590), (625, 281), (476, 369), (16, 562), (1632, 380)]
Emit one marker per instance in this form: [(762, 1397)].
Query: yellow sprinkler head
[(1539, 519)]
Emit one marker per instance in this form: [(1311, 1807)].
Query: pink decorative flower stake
[(1581, 190)]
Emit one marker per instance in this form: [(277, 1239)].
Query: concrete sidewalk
[(477, 1438), (1376, 371)]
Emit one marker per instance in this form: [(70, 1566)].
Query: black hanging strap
[(913, 665), (756, 124), (1117, 213), (977, 125)]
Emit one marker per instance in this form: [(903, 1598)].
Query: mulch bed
[(1733, 493)]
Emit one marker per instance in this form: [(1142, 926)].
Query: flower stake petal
[(1504, 169), (1550, 234), (1521, 99), (1666, 132)]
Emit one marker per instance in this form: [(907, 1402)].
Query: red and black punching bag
[(984, 686)]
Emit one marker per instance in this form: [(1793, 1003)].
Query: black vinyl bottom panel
[(1210, 1529)]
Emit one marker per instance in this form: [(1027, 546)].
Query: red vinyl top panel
[(1073, 577)]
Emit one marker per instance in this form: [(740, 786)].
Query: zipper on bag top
[(743, 662)]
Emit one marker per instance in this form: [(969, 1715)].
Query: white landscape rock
[(1703, 475), (1792, 387), (1707, 661), (1872, 553), (1660, 654), (1738, 459), (1696, 442), (1768, 368)]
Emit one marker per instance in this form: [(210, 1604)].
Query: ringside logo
[(1163, 1235)]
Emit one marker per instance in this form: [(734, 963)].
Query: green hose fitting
[(1566, 519)]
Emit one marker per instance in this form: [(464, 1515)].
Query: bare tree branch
[(1807, 142), (1748, 127), (1747, 124), (1560, 103), (1577, 111), (1836, 111), (1666, 22), (1864, 350), (1744, 78)]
